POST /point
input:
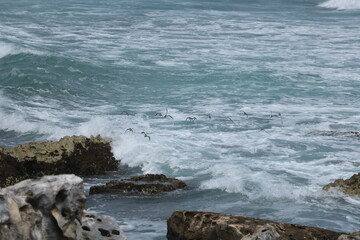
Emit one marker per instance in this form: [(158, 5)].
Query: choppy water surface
[(74, 67)]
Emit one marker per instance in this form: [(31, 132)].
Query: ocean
[(273, 85)]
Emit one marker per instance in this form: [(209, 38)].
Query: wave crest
[(341, 4), (10, 49)]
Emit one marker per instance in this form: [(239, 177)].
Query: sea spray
[(341, 4)]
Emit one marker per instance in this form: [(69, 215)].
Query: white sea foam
[(341, 4), (11, 49), (5, 49)]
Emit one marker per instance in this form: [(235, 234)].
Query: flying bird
[(245, 114), (191, 118), (130, 130), (145, 135)]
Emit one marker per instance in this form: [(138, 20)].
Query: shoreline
[(173, 233)]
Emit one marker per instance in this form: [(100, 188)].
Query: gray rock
[(50, 208)]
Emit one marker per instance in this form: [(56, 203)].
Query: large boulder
[(149, 184), (184, 225), (76, 154), (349, 186), (51, 208)]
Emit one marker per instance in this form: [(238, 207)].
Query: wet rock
[(50, 208), (76, 154), (183, 225), (349, 186), (147, 184)]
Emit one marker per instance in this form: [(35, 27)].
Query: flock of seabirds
[(268, 117), (146, 135)]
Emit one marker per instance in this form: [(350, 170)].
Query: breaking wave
[(341, 4), (10, 49)]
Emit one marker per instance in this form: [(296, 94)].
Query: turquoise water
[(74, 67)]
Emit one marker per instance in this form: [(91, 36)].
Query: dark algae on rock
[(71, 154), (147, 184)]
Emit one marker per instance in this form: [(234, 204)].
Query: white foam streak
[(341, 4)]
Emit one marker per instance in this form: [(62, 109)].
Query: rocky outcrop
[(183, 225), (51, 208), (148, 184), (349, 186), (77, 155)]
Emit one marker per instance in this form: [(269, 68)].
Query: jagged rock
[(147, 184), (183, 225), (51, 208), (349, 186), (77, 154)]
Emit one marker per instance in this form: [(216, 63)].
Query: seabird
[(191, 118), (167, 115), (145, 135), (263, 129), (245, 114), (130, 130), (231, 120), (277, 115)]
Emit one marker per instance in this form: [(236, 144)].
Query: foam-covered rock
[(349, 186), (51, 208), (76, 154), (184, 225), (147, 184)]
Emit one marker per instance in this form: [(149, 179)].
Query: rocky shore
[(52, 207), (77, 155)]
